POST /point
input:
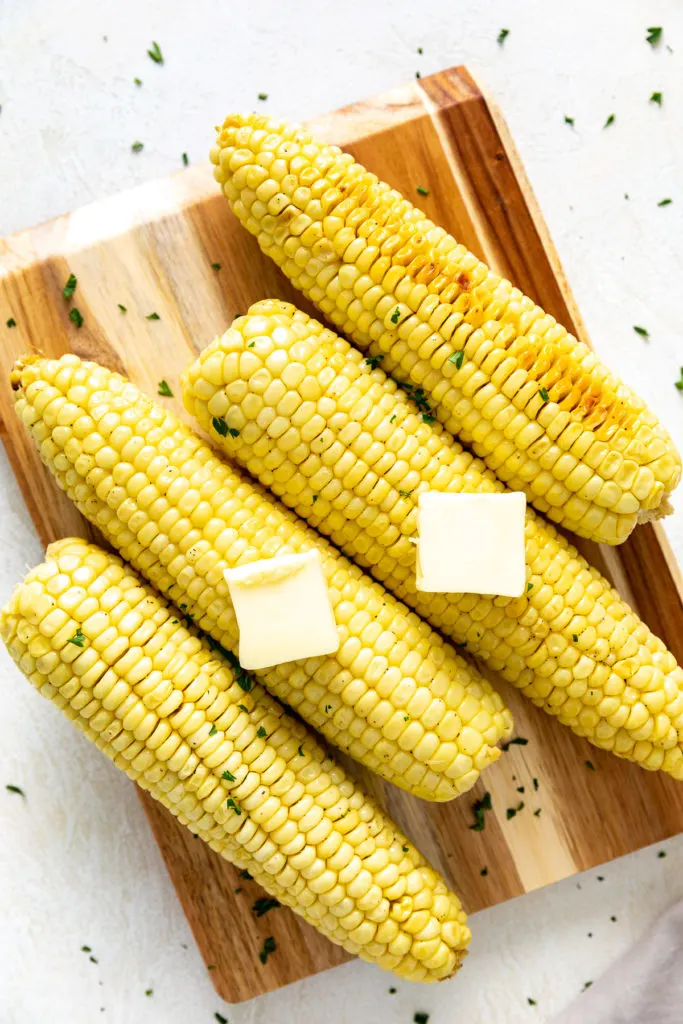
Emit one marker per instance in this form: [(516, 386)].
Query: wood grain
[(151, 250)]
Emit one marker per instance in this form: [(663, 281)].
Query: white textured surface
[(77, 863)]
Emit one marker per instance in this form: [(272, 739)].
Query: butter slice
[(283, 610), (471, 543)]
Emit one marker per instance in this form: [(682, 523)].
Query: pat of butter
[(471, 543), (283, 610)]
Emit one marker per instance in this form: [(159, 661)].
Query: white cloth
[(644, 987)]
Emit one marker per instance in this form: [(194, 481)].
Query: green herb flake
[(328, 708), (569, 120), (396, 315), (216, 266), (155, 53), (263, 96), (460, 646), (86, 949), (418, 75), (264, 904), (520, 789), (164, 389), (392, 991), (590, 766), (70, 286), (251, 344), (78, 639), (420, 1018), (393, 418), (529, 587), (138, 146), (149, 992), (422, 191), (137, 81), (664, 202), (575, 637), (420, 50), (535, 784), (662, 853), (213, 730), (373, 361), (152, 316), (268, 948), (300, 750), (261, 732), (228, 776), (124, 309), (11, 322), (93, 960), (457, 358), (654, 35), (186, 162), (220, 426), (15, 789), (610, 120), (406, 494), (511, 812), (537, 812), (518, 741), (502, 36), (530, 1001), (679, 383), (657, 98), (478, 809), (245, 874), (612, 918), (484, 872), (545, 397), (211, 967), (235, 807), (405, 849), (75, 317), (243, 707), (642, 331), (587, 984)]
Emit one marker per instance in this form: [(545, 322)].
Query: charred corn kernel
[(181, 517), (570, 643), (237, 798), (531, 400)]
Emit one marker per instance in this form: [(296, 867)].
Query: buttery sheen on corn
[(395, 696), (232, 766), (537, 405), (344, 447)]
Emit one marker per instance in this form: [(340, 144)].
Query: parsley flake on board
[(164, 389), (186, 162), (422, 191), (15, 789), (569, 120), (70, 286), (484, 872), (518, 741), (679, 383), (502, 36), (268, 948), (642, 331), (137, 146), (78, 639), (155, 53), (662, 853), (245, 874), (124, 309), (656, 97), (478, 809), (512, 811), (152, 316), (216, 266), (264, 904), (220, 1018), (590, 766), (263, 96), (420, 1018), (654, 35), (11, 322), (75, 317), (137, 81), (664, 202), (610, 120)]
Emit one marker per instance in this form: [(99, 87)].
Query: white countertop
[(78, 865)]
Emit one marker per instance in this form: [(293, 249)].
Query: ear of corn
[(345, 448), (394, 696), (534, 403), (252, 782)]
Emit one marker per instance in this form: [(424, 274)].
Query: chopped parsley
[(392, 418), (545, 397), (512, 811), (149, 991), (428, 417), (478, 809), (241, 678), (679, 383), (222, 428), (406, 494), (75, 317), (654, 35), (405, 849), (420, 1018), (537, 812), (484, 872), (612, 918), (300, 750), (93, 960), (213, 730), (516, 741), (392, 991), (664, 202), (216, 266), (601, 878), (245, 874), (610, 120), (502, 36), (587, 984), (124, 309), (457, 358), (662, 853), (328, 708), (642, 331), (86, 949), (78, 639), (590, 766), (263, 96), (373, 361), (164, 389), (396, 315), (520, 789), (422, 191), (315, 498), (152, 316), (243, 707), (529, 587), (420, 50), (235, 807), (418, 75), (138, 146), (15, 789), (186, 162), (261, 732), (535, 784), (569, 120), (155, 53), (251, 344), (460, 646), (264, 904), (656, 97), (575, 637), (11, 322), (70, 286), (228, 776), (220, 1018), (268, 948), (137, 81), (530, 1001)]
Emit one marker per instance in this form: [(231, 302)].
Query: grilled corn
[(252, 782), (545, 415), (344, 447), (394, 696)]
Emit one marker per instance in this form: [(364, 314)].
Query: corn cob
[(545, 415), (394, 696), (252, 782), (340, 444)]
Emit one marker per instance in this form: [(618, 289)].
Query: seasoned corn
[(395, 696), (545, 415), (252, 782), (345, 448)]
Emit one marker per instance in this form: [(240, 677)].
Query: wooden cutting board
[(152, 250)]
